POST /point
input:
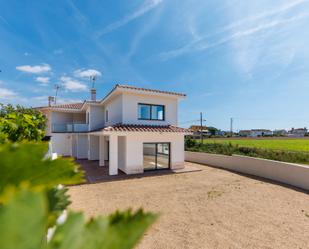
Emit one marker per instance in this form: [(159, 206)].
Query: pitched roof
[(69, 106), (79, 105), (149, 90), (145, 128)]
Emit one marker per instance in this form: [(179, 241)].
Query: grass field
[(287, 144)]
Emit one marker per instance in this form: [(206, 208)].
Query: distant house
[(299, 132), (255, 133), (261, 133), (196, 128), (197, 132), (281, 132), (244, 133)]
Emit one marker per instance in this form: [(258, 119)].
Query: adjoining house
[(299, 132), (255, 133), (132, 129)]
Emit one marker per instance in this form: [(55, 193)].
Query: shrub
[(229, 149), (189, 142), (32, 203), (19, 123)]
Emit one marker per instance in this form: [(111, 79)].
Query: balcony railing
[(71, 127)]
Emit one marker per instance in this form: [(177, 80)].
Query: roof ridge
[(149, 89), (109, 93)]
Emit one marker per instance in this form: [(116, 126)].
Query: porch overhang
[(130, 128)]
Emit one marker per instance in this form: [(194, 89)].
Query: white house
[(131, 129), (299, 132), (255, 133)]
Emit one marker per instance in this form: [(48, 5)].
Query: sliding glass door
[(149, 156), (156, 156)]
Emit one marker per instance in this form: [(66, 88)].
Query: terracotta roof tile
[(148, 90), (79, 105), (68, 106), (145, 128)]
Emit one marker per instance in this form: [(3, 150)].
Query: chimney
[(93, 94), (50, 100)]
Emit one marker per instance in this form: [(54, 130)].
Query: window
[(106, 116), (151, 112), (87, 118), (156, 156)]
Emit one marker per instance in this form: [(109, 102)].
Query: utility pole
[(231, 127), (201, 126)]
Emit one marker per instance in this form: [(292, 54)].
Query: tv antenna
[(57, 88), (92, 80)]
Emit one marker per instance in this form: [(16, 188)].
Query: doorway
[(156, 156)]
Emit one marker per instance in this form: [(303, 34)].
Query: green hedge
[(229, 149)]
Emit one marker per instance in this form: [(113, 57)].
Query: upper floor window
[(151, 112)]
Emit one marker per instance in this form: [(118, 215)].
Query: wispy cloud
[(203, 44), (146, 7), (73, 85), (144, 30), (7, 94), (34, 69), (43, 99), (265, 14), (42, 80), (86, 73)]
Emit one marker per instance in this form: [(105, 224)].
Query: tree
[(212, 130), (20, 123), (31, 203)]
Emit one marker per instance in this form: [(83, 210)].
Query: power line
[(190, 121)]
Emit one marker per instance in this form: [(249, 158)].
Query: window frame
[(106, 115), (150, 105), (156, 156)]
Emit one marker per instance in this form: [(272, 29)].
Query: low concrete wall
[(288, 173)]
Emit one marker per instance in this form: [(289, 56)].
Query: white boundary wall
[(293, 174)]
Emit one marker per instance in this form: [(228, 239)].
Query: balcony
[(70, 127)]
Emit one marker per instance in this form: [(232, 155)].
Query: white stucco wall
[(74, 145), (96, 117), (79, 117), (114, 108), (67, 117), (61, 143), (82, 146), (134, 150), (122, 144), (94, 147), (289, 173), (130, 108)]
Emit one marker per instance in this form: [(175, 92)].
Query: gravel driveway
[(211, 208)]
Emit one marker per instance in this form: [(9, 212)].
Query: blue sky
[(234, 58)]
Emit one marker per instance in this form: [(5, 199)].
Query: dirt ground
[(211, 208)]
